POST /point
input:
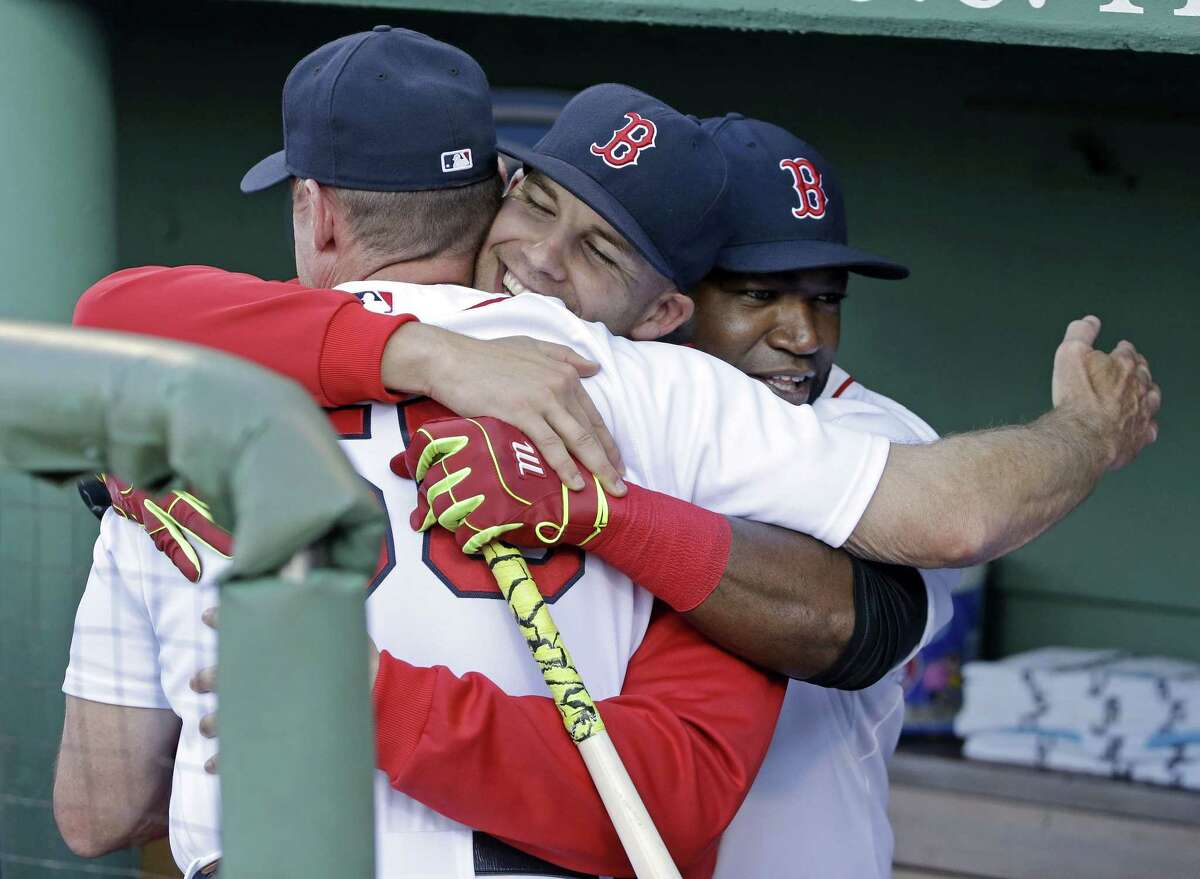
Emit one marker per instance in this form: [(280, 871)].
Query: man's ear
[(666, 313), (323, 215), (514, 180)]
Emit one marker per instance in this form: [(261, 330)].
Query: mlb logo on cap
[(456, 160)]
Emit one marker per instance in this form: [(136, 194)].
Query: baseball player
[(772, 307), (663, 375)]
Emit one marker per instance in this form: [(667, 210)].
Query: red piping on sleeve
[(849, 381), (489, 302)]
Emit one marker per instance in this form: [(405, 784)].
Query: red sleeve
[(692, 725), (324, 339)]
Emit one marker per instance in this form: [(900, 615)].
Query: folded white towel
[(1046, 750), (1099, 694), (1095, 711), (1051, 688)]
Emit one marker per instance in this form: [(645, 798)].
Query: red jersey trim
[(351, 422), (849, 381), (489, 302)]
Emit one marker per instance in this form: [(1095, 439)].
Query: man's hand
[(175, 521), (531, 384), (971, 498), (205, 681), (481, 479), (1113, 394)]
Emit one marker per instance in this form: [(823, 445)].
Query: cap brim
[(789, 256), (271, 170), (595, 196)]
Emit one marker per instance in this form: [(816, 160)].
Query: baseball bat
[(634, 826)]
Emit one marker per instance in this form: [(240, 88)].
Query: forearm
[(784, 602), (408, 357), (891, 613), (112, 782), (970, 498), (323, 339), (692, 725)]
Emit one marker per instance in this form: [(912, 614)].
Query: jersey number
[(555, 570)]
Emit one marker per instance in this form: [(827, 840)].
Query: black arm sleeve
[(95, 496), (890, 609)]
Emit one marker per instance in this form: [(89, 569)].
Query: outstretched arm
[(971, 498), (785, 601), (342, 354)]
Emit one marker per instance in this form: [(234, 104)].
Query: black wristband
[(95, 495), (890, 609)]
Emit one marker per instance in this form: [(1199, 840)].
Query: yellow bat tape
[(635, 828), (579, 714)]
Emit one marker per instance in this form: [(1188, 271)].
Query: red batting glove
[(483, 479), (175, 521)]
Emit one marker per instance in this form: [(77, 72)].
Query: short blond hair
[(423, 224)]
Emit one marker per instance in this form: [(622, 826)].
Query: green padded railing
[(297, 757)]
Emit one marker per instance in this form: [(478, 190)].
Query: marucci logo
[(556, 569), (527, 459)]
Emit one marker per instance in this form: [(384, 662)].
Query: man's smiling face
[(545, 240), (782, 329)]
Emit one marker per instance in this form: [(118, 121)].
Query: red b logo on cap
[(806, 180), (626, 143)]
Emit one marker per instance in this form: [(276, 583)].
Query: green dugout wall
[(1030, 160), (57, 231)]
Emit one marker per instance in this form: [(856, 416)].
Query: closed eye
[(533, 204), (601, 255)]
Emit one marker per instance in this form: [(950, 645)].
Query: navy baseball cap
[(785, 205), (389, 110), (654, 174)]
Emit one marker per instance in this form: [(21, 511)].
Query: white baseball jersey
[(818, 807), (686, 424)]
